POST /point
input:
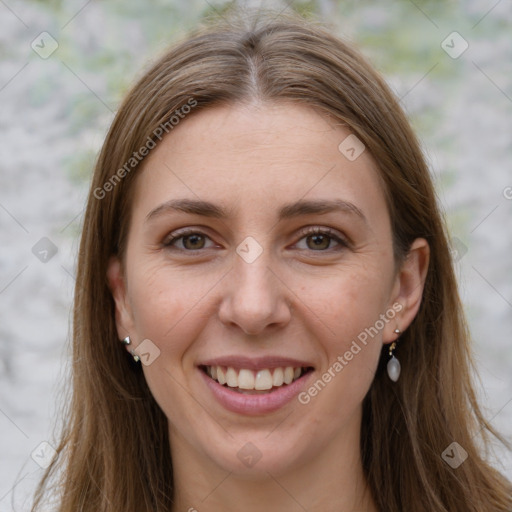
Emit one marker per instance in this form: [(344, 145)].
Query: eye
[(190, 240), (319, 240)]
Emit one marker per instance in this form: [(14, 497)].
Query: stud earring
[(128, 341), (393, 363)]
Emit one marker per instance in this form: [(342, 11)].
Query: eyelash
[(304, 234)]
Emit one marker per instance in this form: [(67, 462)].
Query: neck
[(332, 480)]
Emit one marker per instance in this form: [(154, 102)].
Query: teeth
[(221, 376), (278, 377), (231, 378), (245, 379), (288, 375), (261, 380)]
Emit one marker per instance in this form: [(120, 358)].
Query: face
[(257, 253)]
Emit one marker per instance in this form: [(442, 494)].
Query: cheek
[(169, 304), (158, 303), (347, 303), (352, 310)]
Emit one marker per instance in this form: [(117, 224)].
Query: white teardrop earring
[(394, 367)]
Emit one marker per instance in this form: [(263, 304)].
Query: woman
[(266, 314)]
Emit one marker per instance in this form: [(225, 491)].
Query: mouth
[(255, 382)]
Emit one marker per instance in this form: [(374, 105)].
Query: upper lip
[(255, 363)]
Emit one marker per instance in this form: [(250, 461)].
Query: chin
[(254, 456)]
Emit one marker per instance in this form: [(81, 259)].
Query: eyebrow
[(302, 207)]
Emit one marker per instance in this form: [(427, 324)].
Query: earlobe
[(116, 282), (410, 281)]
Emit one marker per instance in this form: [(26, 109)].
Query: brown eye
[(193, 242), (187, 241), (321, 240)]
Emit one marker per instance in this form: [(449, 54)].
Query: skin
[(294, 300)]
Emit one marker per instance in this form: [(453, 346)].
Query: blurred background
[(64, 67)]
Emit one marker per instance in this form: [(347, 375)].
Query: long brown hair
[(113, 453)]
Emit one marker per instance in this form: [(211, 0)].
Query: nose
[(256, 298)]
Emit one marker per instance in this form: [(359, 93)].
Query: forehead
[(259, 154)]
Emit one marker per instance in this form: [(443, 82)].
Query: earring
[(128, 341), (393, 363)]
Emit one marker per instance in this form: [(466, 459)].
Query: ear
[(408, 288), (117, 285)]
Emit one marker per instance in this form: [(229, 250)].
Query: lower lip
[(253, 405)]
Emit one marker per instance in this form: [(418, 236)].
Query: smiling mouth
[(254, 382)]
